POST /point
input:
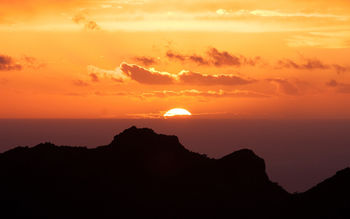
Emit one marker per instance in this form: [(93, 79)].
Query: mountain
[(328, 199), (145, 174)]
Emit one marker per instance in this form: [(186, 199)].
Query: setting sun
[(177, 112)]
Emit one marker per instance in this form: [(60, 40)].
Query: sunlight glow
[(177, 112)]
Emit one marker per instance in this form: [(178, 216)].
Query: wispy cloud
[(194, 78), (321, 39), (146, 61), (340, 87), (215, 57), (311, 64), (210, 93)]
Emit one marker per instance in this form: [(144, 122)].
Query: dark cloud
[(88, 24), (146, 76), (204, 79), (7, 63), (284, 86), (223, 58), (311, 64), (146, 61), (198, 59), (172, 55), (340, 87), (216, 58)]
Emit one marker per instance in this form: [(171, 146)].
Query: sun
[(177, 112)]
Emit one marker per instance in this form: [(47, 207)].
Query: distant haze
[(298, 153)]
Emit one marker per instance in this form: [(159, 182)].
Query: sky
[(139, 58)]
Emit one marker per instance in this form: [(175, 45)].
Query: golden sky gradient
[(140, 58)]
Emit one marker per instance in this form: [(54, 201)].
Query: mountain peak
[(244, 157), (137, 136)]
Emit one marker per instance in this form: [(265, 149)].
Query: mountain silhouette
[(149, 175)]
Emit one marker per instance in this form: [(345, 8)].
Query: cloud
[(88, 24), (152, 76), (146, 76), (173, 55), (192, 58), (7, 63), (198, 59), (197, 93), (146, 61), (340, 87), (223, 58), (216, 58), (96, 73), (284, 86), (194, 78), (310, 64)]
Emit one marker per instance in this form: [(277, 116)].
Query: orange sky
[(140, 58)]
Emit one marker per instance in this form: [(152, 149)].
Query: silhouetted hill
[(329, 199), (144, 174)]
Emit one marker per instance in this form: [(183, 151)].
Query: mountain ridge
[(142, 173)]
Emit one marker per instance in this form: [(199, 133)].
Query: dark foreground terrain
[(141, 174)]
